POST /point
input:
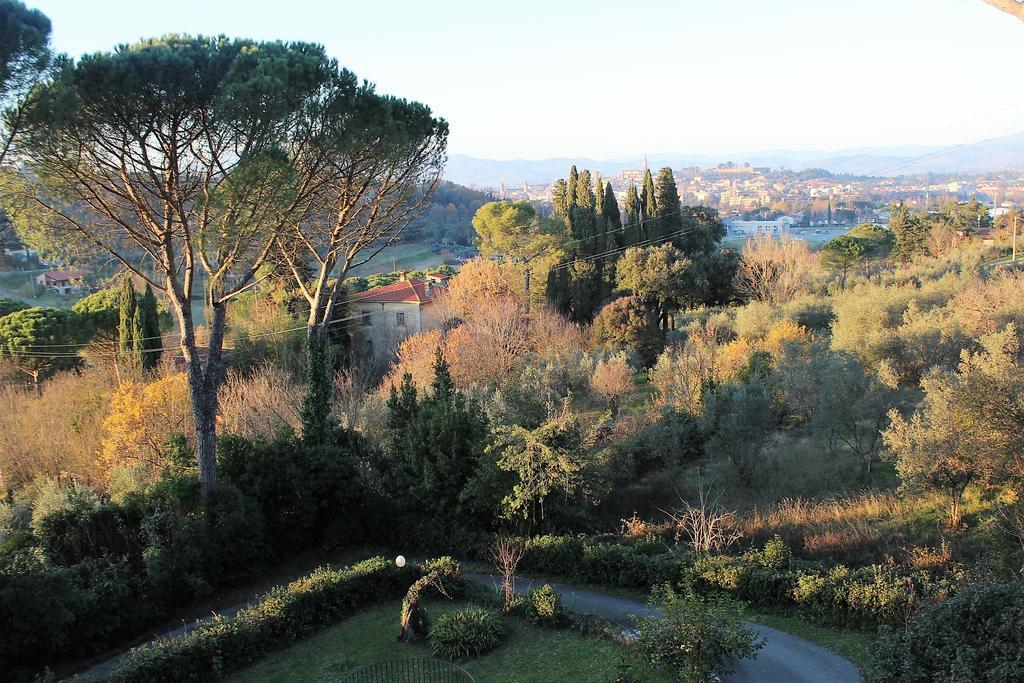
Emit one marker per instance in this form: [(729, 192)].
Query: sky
[(534, 79)]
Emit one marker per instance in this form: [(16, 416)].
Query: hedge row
[(863, 598), (282, 616), (578, 558)]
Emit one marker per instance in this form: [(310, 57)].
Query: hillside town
[(778, 199)]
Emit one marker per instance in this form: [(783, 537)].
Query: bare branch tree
[(374, 171), (507, 553), (706, 525), (774, 270)]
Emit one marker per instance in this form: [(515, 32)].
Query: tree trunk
[(203, 382), (526, 287)]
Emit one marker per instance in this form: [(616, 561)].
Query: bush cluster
[(544, 607), (90, 572), (695, 637), (974, 636), (863, 597), (466, 632), (282, 616), (578, 558)]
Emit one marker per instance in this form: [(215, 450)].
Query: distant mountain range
[(998, 154)]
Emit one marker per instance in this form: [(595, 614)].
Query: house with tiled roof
[(389, 314), (62, 281)]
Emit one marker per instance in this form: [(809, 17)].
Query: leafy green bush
[(51, 611), (695, 638), (282, 616), (544, 607), (581, 559), (466, 633), (974, 636), (776, 554)]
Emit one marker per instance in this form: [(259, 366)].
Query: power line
[(361, 315)]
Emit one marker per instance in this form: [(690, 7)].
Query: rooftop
[(405, 291)]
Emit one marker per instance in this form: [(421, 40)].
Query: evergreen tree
[(910, 232), (612, 217), (648, 208), (631, 206), (443, 386), (138, 338), (152, 344), (560, 198), (613, 238), (585, 191), (571, 186), (316, 404), (670, 220), (126, 318), (435, 444)]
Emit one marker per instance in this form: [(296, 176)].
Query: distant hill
[(449, 215), (999, 154)]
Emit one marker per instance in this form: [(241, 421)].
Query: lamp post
[(400, 561)]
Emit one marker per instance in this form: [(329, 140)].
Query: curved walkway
[(783, 659)]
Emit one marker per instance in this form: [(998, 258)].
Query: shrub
[(466, 633), (545, 607), (697, 638), (776, 554), (974, 636), (282, 616), (611, 564)]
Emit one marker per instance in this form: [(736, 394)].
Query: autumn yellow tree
[(143, 417)]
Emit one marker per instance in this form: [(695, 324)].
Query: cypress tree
[(614, 238), (570, 186), (560, 198), (669, 209), (634, 229), (585, 190), (138, 337), (648, 207), (150, 330), (126, 318)]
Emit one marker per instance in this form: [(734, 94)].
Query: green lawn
[(409, 256), (527, 655)]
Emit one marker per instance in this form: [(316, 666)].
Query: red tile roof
[(406, 291), (62, 275)]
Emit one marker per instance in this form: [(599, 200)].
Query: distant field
[(411, 256)]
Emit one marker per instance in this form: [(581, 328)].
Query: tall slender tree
[(125, 321), (668, 207), (648, 208), (631, 217), (152, 343)]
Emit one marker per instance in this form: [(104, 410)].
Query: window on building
[(367, 320), (400, 319)]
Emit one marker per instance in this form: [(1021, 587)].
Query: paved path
[(102, 670), (783, 659)]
